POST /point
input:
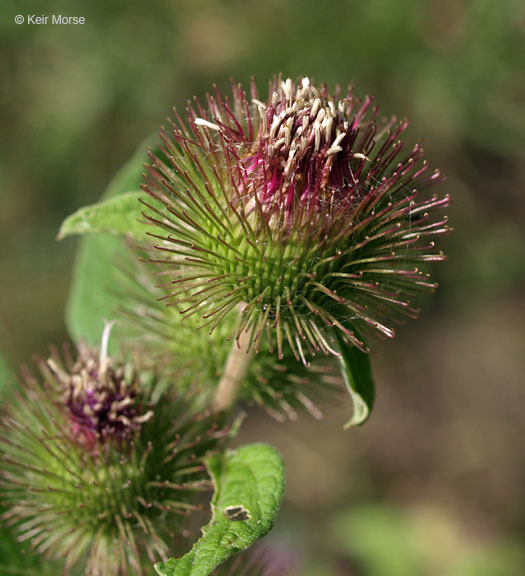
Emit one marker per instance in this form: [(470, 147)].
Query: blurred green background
[(434, 483)]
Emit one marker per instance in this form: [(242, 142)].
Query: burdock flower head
[(305, 209), (100, 464), (103, 403)]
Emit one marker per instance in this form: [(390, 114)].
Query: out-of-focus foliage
[(448, 428), (387, 541)]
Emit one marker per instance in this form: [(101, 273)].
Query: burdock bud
[(103, 403), (100, 465), (303, 210)]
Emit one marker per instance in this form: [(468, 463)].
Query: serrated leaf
[(120, 216), (357, 374), (249, 485)]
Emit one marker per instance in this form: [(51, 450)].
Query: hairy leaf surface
[(249, 485)]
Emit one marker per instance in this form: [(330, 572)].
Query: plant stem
[(235, 370)]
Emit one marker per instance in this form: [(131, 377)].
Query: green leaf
[(357, 374), (249, 485), (120, 216), (92, 299)]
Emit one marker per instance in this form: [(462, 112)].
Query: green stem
[(235, 371)]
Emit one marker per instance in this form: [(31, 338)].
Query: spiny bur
[(297, 215), (101, 464)]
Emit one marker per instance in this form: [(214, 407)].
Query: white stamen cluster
[(302, 121)]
